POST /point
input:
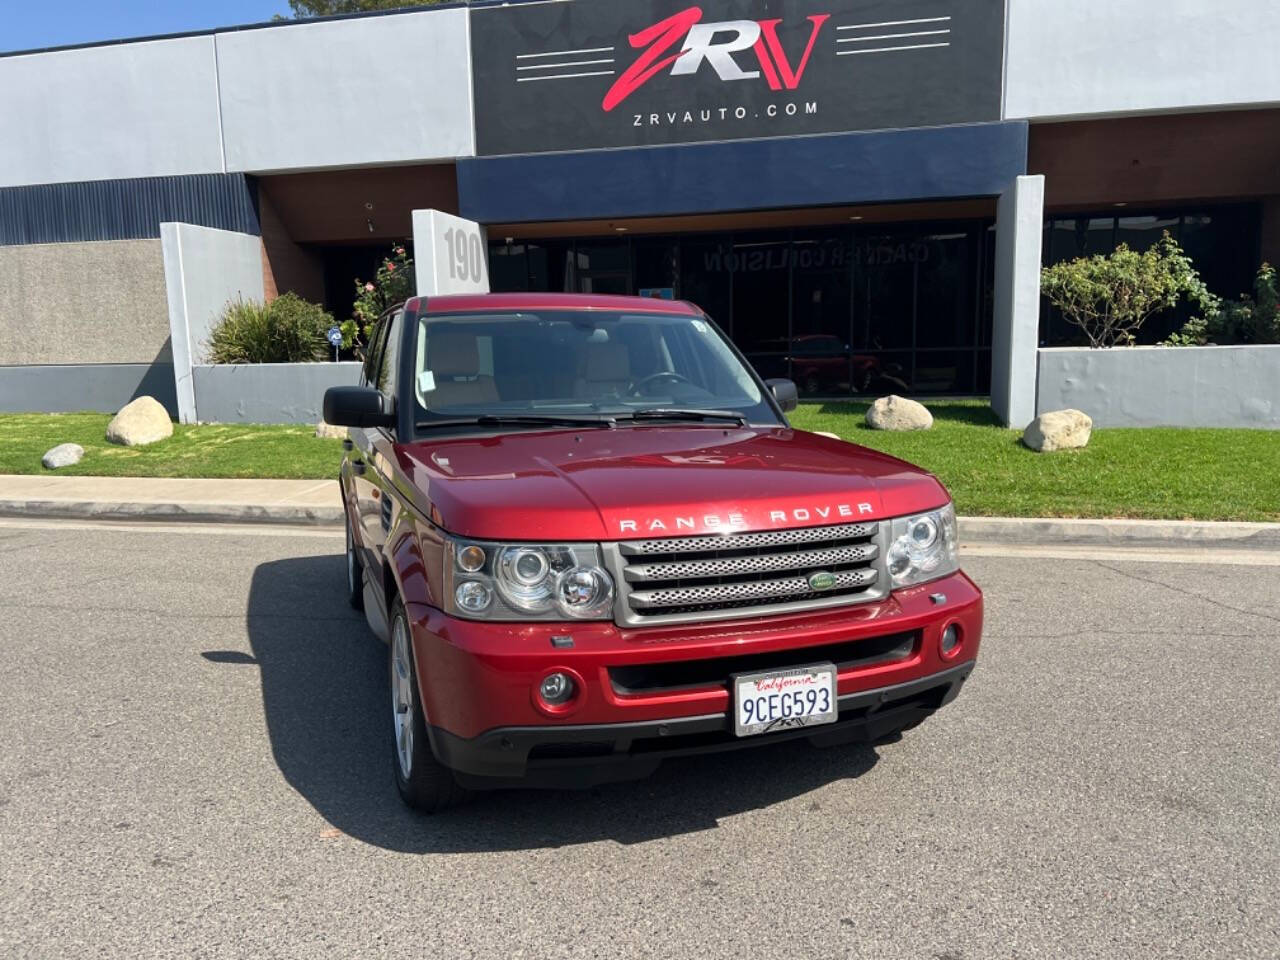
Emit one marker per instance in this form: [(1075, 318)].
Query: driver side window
[(388, 372), (368, 373)]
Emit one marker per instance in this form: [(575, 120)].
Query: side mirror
[(784, 391), (358, 407)]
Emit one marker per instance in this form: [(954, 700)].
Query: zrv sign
[(585, 74)]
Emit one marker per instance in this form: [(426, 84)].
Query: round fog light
[(556, 688), (472, 596), (950, 640)]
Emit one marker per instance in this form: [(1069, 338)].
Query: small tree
[(1250, 319), (1111, 296), (393, 283)]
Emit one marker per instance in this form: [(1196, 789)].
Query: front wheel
[(423, 781), (355, 573)]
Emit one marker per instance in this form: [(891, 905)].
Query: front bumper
[(648, 693), (566, 756)]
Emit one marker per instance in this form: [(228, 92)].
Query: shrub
[(1251, 319), (286, 330), (393, 283), (1111, 296)]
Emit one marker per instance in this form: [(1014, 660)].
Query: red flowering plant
[(392, 283)]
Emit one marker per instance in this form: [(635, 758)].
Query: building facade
[(859, 191)]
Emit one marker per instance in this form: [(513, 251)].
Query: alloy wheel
[(402, 696)]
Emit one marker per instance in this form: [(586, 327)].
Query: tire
[(355, 573), (423, 781)]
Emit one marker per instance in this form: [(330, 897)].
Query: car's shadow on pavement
[(329, 720)]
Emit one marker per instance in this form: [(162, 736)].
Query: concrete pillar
[(450, 255), (1015, 337), (204, 270)]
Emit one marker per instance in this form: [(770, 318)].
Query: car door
[(377, 449), (362, 439)]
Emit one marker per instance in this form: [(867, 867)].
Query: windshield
[(580, 364)]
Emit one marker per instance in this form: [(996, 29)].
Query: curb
[(173, 512), (1036, 531), (1196, 534)]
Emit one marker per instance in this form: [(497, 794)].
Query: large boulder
[(1058, 430), (140, 422), (63, 455), (898, 413)]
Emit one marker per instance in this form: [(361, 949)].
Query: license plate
[(784, 699)]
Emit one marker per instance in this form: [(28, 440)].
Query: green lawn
[(207, 450), (1165, 473), (1154, 473)]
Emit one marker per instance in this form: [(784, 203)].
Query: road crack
[(1212, 601)]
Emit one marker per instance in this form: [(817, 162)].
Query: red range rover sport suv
[(592, 541)]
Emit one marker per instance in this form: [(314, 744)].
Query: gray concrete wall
[(98, 302), (205, 269), (1164, 386), (267, 392), (1016, 323), (126, 110), (97, 387), (1130, 56), (369, 90)]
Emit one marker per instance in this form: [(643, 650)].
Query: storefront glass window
[(821, 312), (509, 267), (1222, 243), (945, 315), (760, 265), (852, 310), (657, 263), (703, 279), (885, 301), (1141, 233)]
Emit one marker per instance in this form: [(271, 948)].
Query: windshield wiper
[(519, 420), (681, 413)]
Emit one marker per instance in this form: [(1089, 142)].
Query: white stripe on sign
[(892, 23), (554, 66), (887, 36), (914, 46), (563, 53), (566, 76)]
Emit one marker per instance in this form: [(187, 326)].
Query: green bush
[(1251, 319), (392, 284), (1110, 297), (286, 330)]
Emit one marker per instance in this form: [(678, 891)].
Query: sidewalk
[(135, 498), (317, 502)]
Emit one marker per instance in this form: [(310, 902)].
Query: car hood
[(650, 481)]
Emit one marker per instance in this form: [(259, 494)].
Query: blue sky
[(28, 24)]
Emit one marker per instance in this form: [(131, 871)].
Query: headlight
[(923, 547), (496, 581)]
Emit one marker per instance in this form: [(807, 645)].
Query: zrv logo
[(590, 74), (715, 44)]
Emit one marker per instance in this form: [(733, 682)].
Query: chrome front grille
[(681, 579)]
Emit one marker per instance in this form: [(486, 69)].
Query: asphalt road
[(194, 762)]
